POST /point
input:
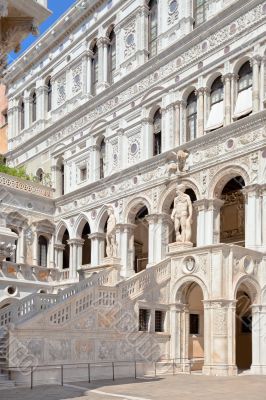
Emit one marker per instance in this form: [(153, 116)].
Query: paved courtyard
[(184, 387)]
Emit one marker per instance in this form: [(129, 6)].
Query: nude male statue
[(111, 245), (182, 215)]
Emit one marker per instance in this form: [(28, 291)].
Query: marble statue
[(111, 244), (182, 215)]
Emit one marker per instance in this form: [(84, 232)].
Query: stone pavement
[(183, 387)]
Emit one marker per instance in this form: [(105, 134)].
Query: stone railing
[(28, 272), (25, 186), (135, 286), (35, 303)]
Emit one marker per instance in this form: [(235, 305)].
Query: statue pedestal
[(111, 262), (179, 246)]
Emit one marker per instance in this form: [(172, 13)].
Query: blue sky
[(58, 7)]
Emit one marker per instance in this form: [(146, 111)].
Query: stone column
[(168, 128), (142, 38), (177, 138), (207, 105), (75, 256), (208, 221), (122, 145), (59, 250), (88, 73), (254, 214), (158, 237), (256, 83), (219, 337), (234, 92), (51, 253), (227, 98), (179, 328), (21, 247), (125, 238), (94, 171), (263, 83), (200, 112), (102, 64), (35, 247), (41, 93), (27, 105), (183, 122), (97, 248), (147, 136), (258, 366)]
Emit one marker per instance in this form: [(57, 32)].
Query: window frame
[(153, 19), (192, 116), (146, 324)]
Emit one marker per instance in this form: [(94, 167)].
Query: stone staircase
[(5, 383)]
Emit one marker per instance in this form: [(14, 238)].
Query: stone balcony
[(13, 182), (14, 271)]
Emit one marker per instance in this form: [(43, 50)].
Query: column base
[(258, 370), (220, 370), (179, 246)]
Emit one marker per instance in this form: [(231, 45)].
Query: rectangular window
[(200, 12), (159, 321), (194, 324), (83, 174), (144, 318)]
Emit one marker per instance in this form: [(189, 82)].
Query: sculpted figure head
[(180, 188)]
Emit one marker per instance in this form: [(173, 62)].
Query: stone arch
[(155, 90), (212, 77), (92, 43), (97, 124), (60, 230), (79, 225), (8, 301), (247, 293), (168, 196), (224, 175), (186, 92), (183, 284), (101, 219), (252, 287), (239, 62), (134, 206)]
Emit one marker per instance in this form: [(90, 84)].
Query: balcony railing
[(28, 272), (25, 186)]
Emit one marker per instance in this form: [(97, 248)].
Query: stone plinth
[(179, 246), (111, 262)]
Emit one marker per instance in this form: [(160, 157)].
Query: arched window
[(39, 175), (216, 116), (94, 69), (102, 158), (244, 97), (153, 27), (200, 11), (191, 116), (66, 251), (33, 107), (62, 175), (111, 56), (49, 94), (157, 132), (13, 257), (22, 115), (42, 251)]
